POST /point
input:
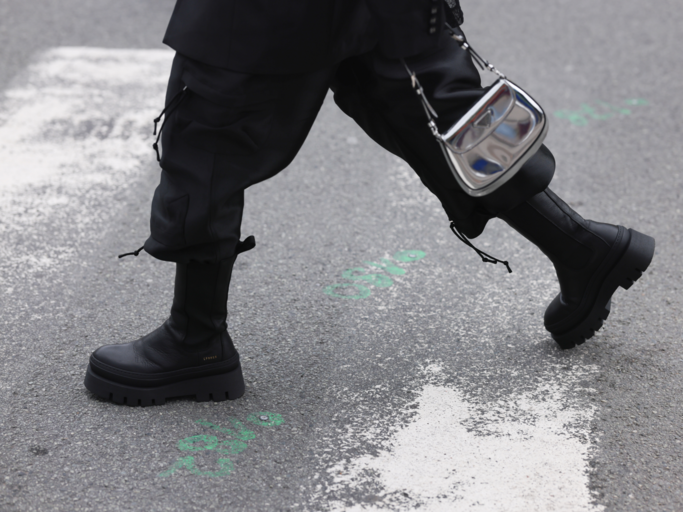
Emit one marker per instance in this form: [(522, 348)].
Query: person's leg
[(224, 133), (377, 94), (189, 354), (228, 132), (591, 259)]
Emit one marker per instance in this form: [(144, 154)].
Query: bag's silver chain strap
[(429, 111), (481, 62), (478, 59), (431, 115)]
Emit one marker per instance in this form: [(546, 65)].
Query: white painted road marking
[(527, 453), (76, 127)]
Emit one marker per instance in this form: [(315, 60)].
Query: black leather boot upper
[(582, 252), (193, 342)]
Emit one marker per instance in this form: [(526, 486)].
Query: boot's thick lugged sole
[(628, 268), (224, 386)]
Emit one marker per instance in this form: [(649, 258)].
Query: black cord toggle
[(156, 122), (168, 110), (486, 258), (134, 253)]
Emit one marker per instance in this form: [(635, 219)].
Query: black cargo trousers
[(225, 131)]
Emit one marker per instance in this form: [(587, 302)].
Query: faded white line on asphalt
[(529, 452), (75, 127)]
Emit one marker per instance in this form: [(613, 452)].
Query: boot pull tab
[(245, 245)]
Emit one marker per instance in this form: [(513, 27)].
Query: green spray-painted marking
[(340, 290), (231, 447), (388, 266), (200, 443), (204, 443), (187, 463), (362, 291), (600, 111), (378, 280), (240, 432), (618, 110)]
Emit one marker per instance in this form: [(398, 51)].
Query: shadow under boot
[(592, 260), (191, 354)]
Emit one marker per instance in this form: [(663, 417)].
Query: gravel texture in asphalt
[(440, 389)]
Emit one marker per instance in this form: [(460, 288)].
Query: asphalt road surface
[(438, 391)]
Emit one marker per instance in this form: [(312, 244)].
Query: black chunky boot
[(191, 354), (591, 259)]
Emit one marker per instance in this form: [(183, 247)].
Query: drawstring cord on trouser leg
[(168, 110), (134, 253), (486, 258)]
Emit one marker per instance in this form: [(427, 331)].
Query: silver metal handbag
[(491, 142)]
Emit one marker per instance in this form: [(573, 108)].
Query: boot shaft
[(567, 239), (200, 301), (576, 247)]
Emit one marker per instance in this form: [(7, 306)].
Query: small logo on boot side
[(210, 358)]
